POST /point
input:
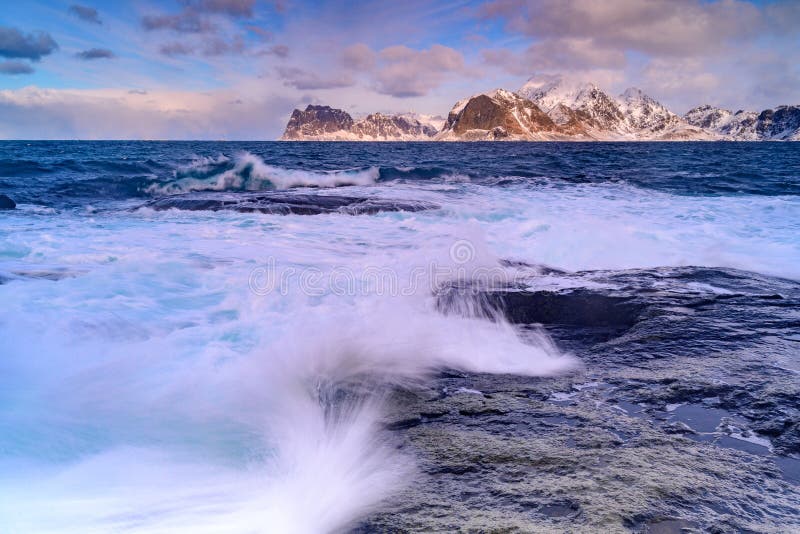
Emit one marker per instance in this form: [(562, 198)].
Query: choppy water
[(165, 370)]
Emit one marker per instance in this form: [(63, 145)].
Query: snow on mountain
[(594, 107), (546, 108), (779, 124), (632, 116), (708, 117), (548, 91), (500, 115), (645, 113), (436, 122), (323, 123)]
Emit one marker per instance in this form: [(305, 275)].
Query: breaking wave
[(248, 172), (287, 434)]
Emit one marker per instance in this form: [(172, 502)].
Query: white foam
[(250, 173), (156, 392)]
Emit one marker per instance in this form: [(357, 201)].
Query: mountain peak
[(549, 90), (634, 93)]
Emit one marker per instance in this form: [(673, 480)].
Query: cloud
[(657, 27), (308, 80), (555, 55), (33, 46), (95, 53), (683, 51), (137, 92), (176, 49), (234, 8), (206, 19), (186, 22), (279, 50), (358, 57), (210, 46), (32, 112), (404, 72), (195, 15), (220, 47), (14, 67), (400, 71), (85, 13), (263, 34)]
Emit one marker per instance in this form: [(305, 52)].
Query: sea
[(203, 336)]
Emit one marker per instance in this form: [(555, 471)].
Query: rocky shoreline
[(685, 418)]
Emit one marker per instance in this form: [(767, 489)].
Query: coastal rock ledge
[(6, 203)]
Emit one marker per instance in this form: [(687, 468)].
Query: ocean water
[(227, 371)]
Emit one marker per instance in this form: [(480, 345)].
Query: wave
[(248, 172), (305, 410), (21, 167), (400, 173)]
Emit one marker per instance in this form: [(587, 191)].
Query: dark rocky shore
[(285, 203), (685, 417)]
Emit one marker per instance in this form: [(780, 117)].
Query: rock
[(499, 115), (378, 126), (6, 203), (323, 123), (550, 108), (282, 203), (317, 121), (644, 114), (615, 458), (779, 124)]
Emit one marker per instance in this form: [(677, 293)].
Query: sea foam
[(248, 172)]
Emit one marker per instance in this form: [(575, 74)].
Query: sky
[(235, 69)]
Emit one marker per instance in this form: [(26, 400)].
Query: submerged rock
[(6, 203), (282, 203)]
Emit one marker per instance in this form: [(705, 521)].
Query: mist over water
[(146, 384)]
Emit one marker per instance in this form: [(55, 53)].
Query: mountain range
[(550, 108)]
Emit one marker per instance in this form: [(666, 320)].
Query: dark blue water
[(59, 173)]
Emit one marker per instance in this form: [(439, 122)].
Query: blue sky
[(234, 69)]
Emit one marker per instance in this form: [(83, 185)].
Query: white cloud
[(34, 113)]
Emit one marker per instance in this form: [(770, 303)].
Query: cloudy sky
[(235, 69)]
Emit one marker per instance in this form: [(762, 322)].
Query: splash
[(248, 172), (161, 426)]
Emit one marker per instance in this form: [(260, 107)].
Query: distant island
[(548, 108)]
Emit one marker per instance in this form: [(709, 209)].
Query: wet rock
[(679, 422), (669, 526), (281, 203), (6, 203), (678, 427)]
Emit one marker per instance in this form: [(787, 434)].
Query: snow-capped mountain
[(555, 96), (632, 116), (550, 108), (644, 113), (779, 124), (323, 123), (500, 115)]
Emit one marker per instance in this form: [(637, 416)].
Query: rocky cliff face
[(632, 116), (642, 112), (503, 115), (387, 127), (317, 122), (323, 123), (589, 104), (779, 124)]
